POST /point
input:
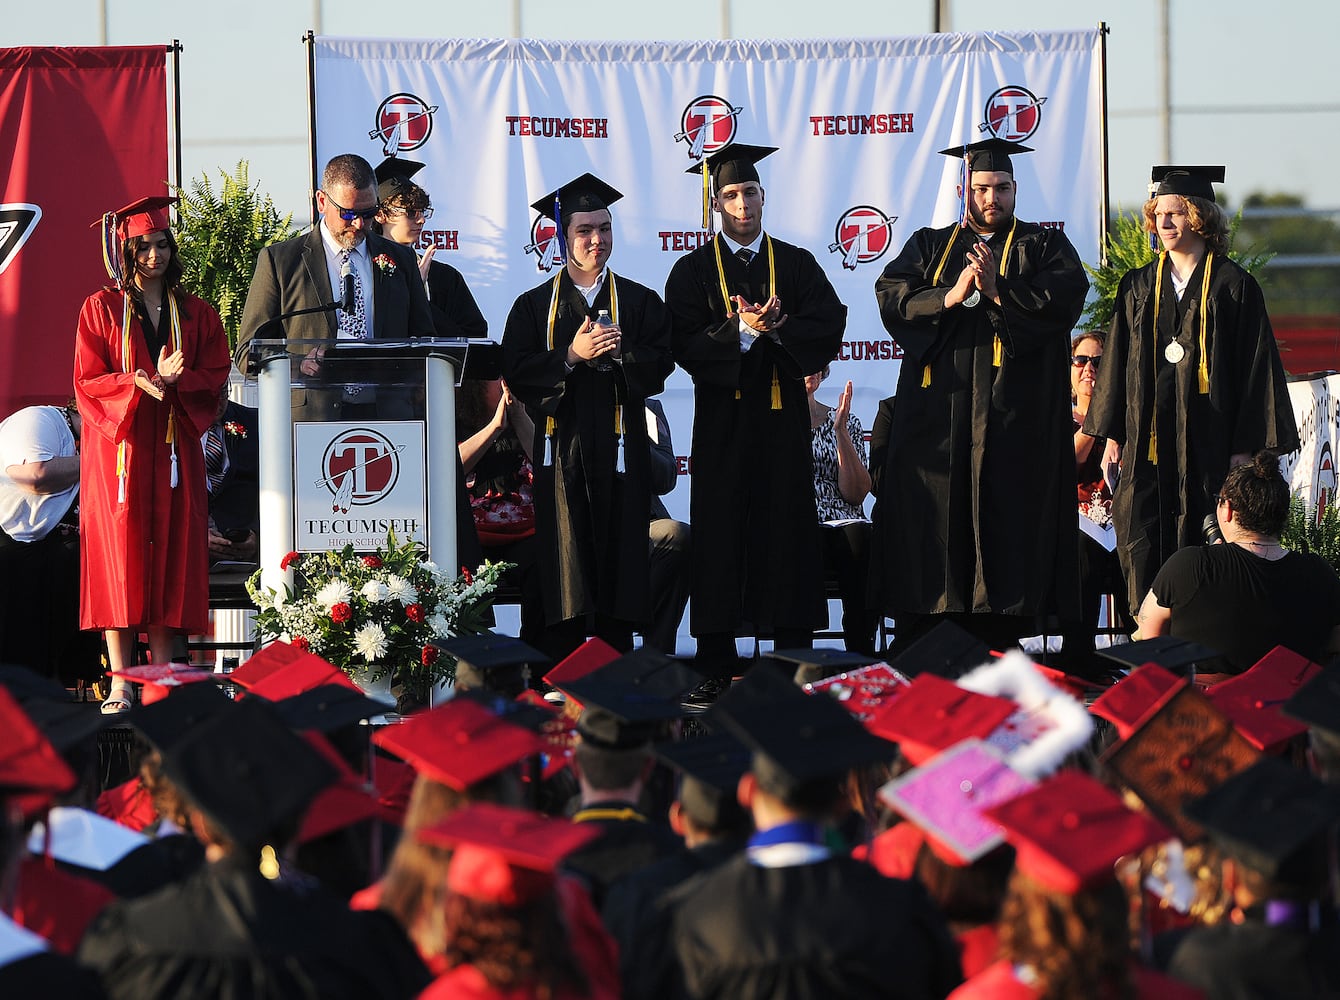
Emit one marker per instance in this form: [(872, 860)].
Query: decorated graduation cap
[(504, 855), (393, 177), (492, 662), (1189, 182), (460, 743), (139, 218), (991, 155), (1070, 831), (1272, 818), (816, 664), (587, 193), (711, 765), (160, 678), (1254, 700), (933, 714), (734, 163)]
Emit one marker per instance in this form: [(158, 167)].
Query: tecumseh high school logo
[(359, 467), (861, 235), (404, 122), (544, 244), (707, 124), (1012, 113), (17, 222)]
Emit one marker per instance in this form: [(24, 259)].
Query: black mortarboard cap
[(167, 722), (491, 661), (327, 708), (712, 765), (63, 722), (1318, 703), (989, 154), (1192, 182), (247, 772), (947, 651), (587, 193), (1271, 817), (26, 684), (815, 664), (734, 163), (641, 686), (796, 737), (1180, 656), (393, 176)]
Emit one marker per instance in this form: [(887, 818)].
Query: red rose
[(415, 613), (372, 562), (469, 577), (289, 560), (341, 613), (301, 643), (429, 656)]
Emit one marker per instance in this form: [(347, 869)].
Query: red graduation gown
[(144, 561)]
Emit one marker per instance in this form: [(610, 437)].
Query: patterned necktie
[(745, 255), (352, 324), (214, 455)]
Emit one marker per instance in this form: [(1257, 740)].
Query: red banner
[(87, 132)]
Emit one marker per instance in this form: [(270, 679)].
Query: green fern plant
[(220, 233), (1313, 529), (1128, 248)]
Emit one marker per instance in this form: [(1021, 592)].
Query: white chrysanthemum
[(429, 566), (333, 593), (439, 624), (401, 589), (370, 642), (375, 591)]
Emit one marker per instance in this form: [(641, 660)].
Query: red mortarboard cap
[(933, 714), (28, 761), (343, 803), (591, 654), (459, 743), (140, 218), (160, 678), (1254, 700), (863, 691), (1133, 700), (394, 781), (947, 796), (1070, 831), (504, 855), (298, 671), (129, 804)]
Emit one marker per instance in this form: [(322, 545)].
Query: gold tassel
[(737, 395), (776, 391), (269, 863), (1153, 445), (997, 352), (926, 377)]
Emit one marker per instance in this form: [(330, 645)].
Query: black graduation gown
[(1252, 960), (47, 974), (228, 933), (835, 928), (1159, 507), (455, 312), (628, 843), (591, 523), (757, 550), (976, 510)]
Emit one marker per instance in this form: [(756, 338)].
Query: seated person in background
[(841, 483), (1250, 594), (232, 470), (668, 539), (39, 544)]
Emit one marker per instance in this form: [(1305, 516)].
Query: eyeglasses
[(410, 213), (1080, 360), (350, 214), (1220, 498)]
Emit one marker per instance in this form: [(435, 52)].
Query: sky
[(1257, 93)]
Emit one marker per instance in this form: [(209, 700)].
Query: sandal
[(120, 699)]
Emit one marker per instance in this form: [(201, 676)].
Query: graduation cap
[(1189, 182), (1317, 703), (1070, 831), (1254, 700), (796, 738), (26, 684), (327, 708), (712, 765), (83, 839), (491, 661), (734, 163), (947, 650), (1272, 818), (393, 177), (247, 772), (139, 218), (344, 802), (643, 686), (933, 714), (816, 664), (587, 193), (167, 722), (47, 704), (459, 744), (1180, 656), (864, 691), (989, 155), (28, 761), (947, 797), (160, 678), (504, 855), (286, 670), (594, 652)]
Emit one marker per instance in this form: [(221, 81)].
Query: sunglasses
[(1080, 360), (350, 214)]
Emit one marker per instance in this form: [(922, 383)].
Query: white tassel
[(548, 450), (121, 488), (618, 460), (174, 466)]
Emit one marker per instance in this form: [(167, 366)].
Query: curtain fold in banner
[(87, 131)]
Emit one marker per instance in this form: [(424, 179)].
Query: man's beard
[(979, 221)]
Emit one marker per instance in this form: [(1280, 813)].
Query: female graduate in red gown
[(150, 360)]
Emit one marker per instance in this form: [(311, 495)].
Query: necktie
[(745, 255), (353, 324), (214, 455)]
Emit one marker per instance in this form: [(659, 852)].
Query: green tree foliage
[(219, 235), (1288, 229), (1315, 529), (1128, 248)]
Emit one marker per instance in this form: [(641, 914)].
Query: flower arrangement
[(234, 428), (376, 615), (385, 263)]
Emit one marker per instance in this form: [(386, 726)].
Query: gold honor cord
[(997, 351), (772, 292), (550, 425), (623, 815), (1203, 363), (174, 342)]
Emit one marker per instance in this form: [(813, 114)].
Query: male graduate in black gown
[(976, 511), (1191, 382), (752, 317), (584, 386)]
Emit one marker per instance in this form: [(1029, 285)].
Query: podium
[(358, 438)]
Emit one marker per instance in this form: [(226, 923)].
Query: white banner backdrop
[(501, 122)]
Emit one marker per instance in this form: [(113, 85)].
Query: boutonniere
[(385, 263), (234, 428)]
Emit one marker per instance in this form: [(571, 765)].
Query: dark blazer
[(292, 275), (236, 503)]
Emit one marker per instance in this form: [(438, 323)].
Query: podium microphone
[(347, 280)]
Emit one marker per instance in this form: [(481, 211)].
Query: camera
[(1210, 529)]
